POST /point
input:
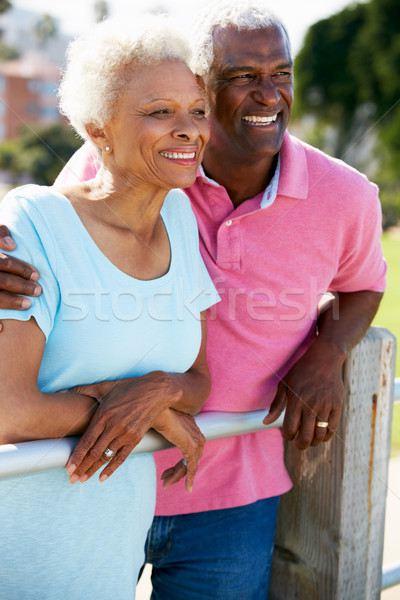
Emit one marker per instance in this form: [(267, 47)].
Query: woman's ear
[(98, 137)]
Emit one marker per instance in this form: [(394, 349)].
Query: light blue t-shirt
[(86, 541)]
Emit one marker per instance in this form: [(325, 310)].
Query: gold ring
[(322, 424)]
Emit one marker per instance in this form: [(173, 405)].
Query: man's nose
[(266, 92)]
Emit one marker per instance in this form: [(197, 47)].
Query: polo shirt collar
[(270, 191), (290, 177), (293, 181)]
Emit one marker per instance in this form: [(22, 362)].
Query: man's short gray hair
[(241, 14), (99, 65)]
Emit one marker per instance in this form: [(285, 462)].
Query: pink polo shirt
[(270, 266)]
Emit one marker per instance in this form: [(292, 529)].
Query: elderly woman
[(124, 289)]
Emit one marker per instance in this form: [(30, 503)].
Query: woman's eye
[(162, 111)]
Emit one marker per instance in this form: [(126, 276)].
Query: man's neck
[(241, 179)]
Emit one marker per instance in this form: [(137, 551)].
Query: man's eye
[(244, 76), (200, 112), (283, 75)]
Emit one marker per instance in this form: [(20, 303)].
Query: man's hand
[(16, 277), (311, 392), (181, 430)]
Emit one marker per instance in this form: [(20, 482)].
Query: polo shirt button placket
[(229, 245)]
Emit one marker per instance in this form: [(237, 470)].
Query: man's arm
[(313, 388)]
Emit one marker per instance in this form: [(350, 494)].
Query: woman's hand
[(128, 408), (177, 427)]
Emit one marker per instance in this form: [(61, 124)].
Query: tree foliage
[(347, 76), (39, 153), (5, 5), (324, 78), (45, 28), (8, 52), (101, 10)]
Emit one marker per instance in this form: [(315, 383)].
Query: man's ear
[(97, 135)]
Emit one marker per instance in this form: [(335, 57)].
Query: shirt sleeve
[(362, 265), (34, 245), (82, 166)]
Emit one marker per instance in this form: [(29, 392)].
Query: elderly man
[(280, 224)]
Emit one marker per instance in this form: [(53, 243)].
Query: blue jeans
[(219, 554)]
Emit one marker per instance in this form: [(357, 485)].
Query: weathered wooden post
[(329, 541)]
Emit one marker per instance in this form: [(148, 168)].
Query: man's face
[(250, 90)]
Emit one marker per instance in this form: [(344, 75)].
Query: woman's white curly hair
[(99, 65), (241, 14)]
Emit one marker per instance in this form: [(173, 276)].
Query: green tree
[(5, 5), (376, 61), (324, 77), (8, 52), (101, 10), (346, 75), (45, 28), (39, 152)]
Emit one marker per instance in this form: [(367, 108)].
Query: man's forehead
[(233, 45)]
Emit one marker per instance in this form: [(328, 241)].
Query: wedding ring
[(321, 424), (184, 461), (109, 453)]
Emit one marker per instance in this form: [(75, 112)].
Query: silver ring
[(184, 461), (109, 453), (322, 424)]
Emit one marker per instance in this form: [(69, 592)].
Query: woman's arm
[(25, 412), (130, 407)]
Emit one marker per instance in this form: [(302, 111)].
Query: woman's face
[(159, 131)]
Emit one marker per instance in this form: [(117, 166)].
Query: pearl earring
[(108, 148)]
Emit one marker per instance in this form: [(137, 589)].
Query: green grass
[(389, 311), (389, 316)]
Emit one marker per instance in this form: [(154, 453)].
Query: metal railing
[(28, 457), (40, 455), (390, 575), (397, 389)]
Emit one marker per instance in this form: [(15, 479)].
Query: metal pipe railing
[(397, 389), (390, 575), (41, 455)]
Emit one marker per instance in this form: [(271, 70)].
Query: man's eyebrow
[(231, 70), (286, 65)]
